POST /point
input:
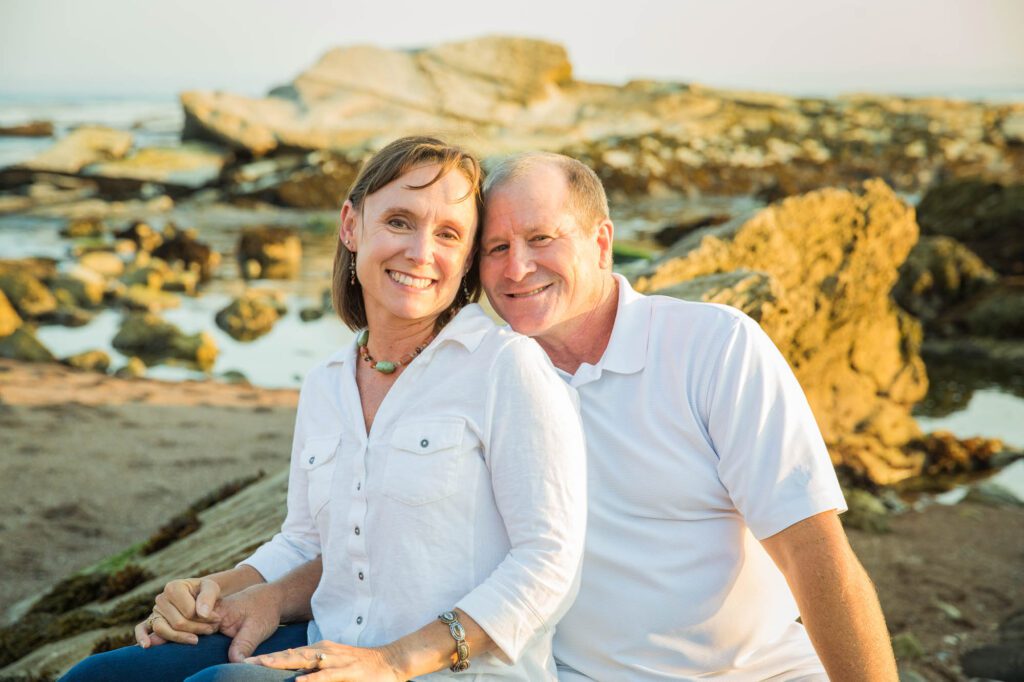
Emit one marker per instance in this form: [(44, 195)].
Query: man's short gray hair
[(587, 198)]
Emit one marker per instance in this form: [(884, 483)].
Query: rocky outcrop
[(988, 217), (148, 336), (30, 129), (89, 361), (26, 292), (816, 271), (9, 318), (22, 344), (269, 253), (184, 247), (251, 315)]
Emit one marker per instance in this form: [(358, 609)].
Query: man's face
[(541, 269)]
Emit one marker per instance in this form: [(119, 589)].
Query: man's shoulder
[(669, 314)]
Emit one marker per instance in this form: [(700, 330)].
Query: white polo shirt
[(469, 491), (700, 442)]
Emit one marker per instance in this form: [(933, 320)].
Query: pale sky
[(139, 47)]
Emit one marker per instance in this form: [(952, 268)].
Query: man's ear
[(605, 233), (347, 232)]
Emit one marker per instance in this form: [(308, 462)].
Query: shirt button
[(424, 443), (360, 575), (357, 530), (359, 620), (312, 459), (359, 485)]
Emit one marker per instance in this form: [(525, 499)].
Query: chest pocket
[(424, 460), (318, 461)]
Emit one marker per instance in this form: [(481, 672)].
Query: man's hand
[(249, 617), (183, 611)]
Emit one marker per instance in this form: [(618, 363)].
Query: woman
[(437, 467)]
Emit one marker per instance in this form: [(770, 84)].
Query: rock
[(251, 315), (135, 368), (355, 94), (140, 297), (84, 227), (670, 234), (1013, 127), (322, 184), (22, 344), (106, 263), (9, 318), (147, 335), (85, 286), (30, 129), (26, 293), (182, 246), (269, 253), (985, 216), (997, 313), (81, 147), (865, 512), (944, 453), (906, 646), (994, 494), (816, 272), (310, 314), (940, 273), (90, 361), (1003, 660), (233, 376), (190, 166), (908, 675), (145, 237)]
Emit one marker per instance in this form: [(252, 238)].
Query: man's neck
[(583, 339)]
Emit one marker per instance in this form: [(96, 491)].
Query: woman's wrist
[(396, 657)]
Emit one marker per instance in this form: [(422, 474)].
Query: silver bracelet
[(451, 619)]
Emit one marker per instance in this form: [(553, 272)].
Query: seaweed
[(70, 593), (111, 642)]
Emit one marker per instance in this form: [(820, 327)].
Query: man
[(712, 499)]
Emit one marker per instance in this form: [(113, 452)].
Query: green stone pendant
[(363, 338), (384, 367)]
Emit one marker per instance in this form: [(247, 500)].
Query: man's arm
[(838, 604)]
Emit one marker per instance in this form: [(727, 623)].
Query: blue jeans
[(206, 661)]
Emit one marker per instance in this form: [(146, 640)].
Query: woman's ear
[(347, 232)]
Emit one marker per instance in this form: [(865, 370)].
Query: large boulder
[(188, 167), (269, 253), (184, 248), (149, 336), (358, 93), (819, 269), (986, 216)]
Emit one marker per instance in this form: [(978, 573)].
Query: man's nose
[(519, 263)]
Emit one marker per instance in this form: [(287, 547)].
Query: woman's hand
[(183, 611), (331, 662)]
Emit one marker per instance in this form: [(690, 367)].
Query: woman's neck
[(392, 339)]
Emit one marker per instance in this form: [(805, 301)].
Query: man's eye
[(499, 248), (400, 223), (540, 238)]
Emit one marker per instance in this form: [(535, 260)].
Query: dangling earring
[(465, 289), (352, 269)]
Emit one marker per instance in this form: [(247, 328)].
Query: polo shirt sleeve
[(298, 541), (534, 448), (772, 458)]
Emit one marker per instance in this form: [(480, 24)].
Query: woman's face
[(412, 245)]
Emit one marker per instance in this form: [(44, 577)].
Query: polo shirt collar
[(627, 348), (468, 328)]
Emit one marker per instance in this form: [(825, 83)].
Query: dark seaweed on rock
[(70, 593), (188, 522), (112, 642)]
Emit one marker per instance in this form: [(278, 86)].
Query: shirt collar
[(627, 348), (468, 328)]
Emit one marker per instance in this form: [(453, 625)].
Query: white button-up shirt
[(700, 442), (469, 491)]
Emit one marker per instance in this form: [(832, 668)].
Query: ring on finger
[(320, 658)]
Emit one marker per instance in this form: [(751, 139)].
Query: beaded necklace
[(386, 366)]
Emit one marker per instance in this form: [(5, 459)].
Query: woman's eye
[(450, 235)]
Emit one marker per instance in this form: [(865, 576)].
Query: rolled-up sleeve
[(536, 457), (298, 541)]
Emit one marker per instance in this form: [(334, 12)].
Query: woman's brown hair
[(386, 166)]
